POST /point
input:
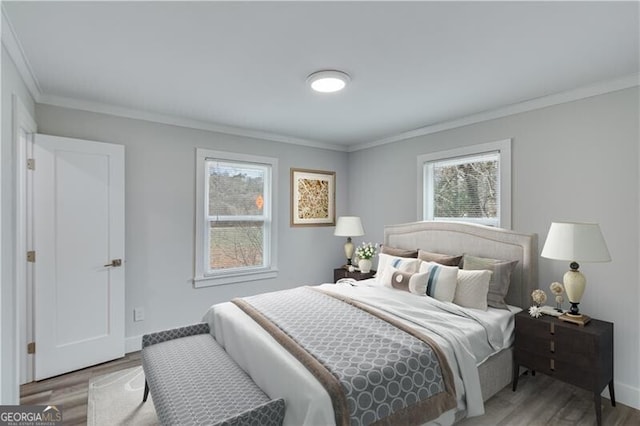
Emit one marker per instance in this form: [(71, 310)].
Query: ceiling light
[(328, 81)]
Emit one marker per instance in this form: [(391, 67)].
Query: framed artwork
[(313, 198)]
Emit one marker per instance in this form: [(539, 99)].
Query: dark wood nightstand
[(580, 355), (339, 273)]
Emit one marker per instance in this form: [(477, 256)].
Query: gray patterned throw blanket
[(375, 369)]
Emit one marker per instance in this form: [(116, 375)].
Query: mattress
[(466, 336)]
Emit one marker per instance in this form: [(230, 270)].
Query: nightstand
[(580, 355), (339, 273)]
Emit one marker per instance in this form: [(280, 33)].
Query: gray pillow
[(500, 279), (443, 259), (399, 252)]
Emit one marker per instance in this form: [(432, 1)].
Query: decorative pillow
[(404, 264), (441, 280), (443, 259), (413, 283), (472, 289), (500, 279), (399, 252)]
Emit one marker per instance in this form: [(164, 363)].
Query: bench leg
[(146, 391)]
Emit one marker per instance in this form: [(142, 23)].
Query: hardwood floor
[(540, 400), (71, 390)]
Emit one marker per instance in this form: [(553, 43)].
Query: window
[(234, 224), (471, 184)]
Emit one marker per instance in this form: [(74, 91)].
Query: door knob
[(115, 263)]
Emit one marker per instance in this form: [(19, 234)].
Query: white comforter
[(466, 336)]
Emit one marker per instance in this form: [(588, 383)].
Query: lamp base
[(574, 310), (575, 319)]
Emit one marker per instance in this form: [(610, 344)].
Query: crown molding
[(155, 117), (583, 92), (14, 48), (11, 42)]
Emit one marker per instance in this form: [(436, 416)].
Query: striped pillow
[(441, 282), (404, 264)]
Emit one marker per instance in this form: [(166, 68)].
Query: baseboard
[(625, 394), (132, 344)]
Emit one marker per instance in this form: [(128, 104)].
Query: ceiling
[(243, 65)]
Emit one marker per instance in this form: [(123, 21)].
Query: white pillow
[(472, 289), (441, 280), (404, 264), (413, 283)]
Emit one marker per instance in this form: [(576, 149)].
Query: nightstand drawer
[(575, 349), (565, 370)]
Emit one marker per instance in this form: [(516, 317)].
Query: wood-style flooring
[(540, 400), (71, 390)]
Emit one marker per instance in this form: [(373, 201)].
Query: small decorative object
[(539, 297), (364, 253), (557, 289), (351, 268), (535, 311), (559, 300)]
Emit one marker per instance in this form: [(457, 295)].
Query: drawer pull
[(552, 365), (552, 328), (552, 346)]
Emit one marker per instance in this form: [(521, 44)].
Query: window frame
[(203, 276), (425, 185)]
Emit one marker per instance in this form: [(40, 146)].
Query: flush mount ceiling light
[(328, 81)]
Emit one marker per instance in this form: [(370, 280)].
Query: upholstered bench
[(194, 382)]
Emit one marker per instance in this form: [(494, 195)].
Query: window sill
[(234, 277)]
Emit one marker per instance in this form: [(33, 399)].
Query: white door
[(78, 236)]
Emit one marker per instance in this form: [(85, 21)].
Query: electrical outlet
[(138, 314)]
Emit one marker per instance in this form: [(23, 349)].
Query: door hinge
[(31, 348), (31, 164), (31, 256)]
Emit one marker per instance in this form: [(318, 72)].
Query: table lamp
[(575, 242), (349, 226)]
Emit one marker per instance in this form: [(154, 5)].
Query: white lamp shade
[(575, 242), (349, 226)]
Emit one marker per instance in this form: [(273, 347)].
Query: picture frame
[(313, 197)]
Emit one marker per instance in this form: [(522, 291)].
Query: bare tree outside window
[(471, 184), (466, 190), (236, 202)]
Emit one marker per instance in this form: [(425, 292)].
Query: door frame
[(22, 119)]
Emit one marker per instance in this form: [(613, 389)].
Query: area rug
[(116, 399)]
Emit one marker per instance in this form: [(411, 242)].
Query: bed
[(477, 376)]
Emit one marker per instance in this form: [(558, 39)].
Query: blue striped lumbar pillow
[(441, 282)]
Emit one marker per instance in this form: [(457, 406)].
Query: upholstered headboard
[(458, 238)]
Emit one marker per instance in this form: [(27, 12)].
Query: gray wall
[(575, 161), (160, 214), (12, 84)]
